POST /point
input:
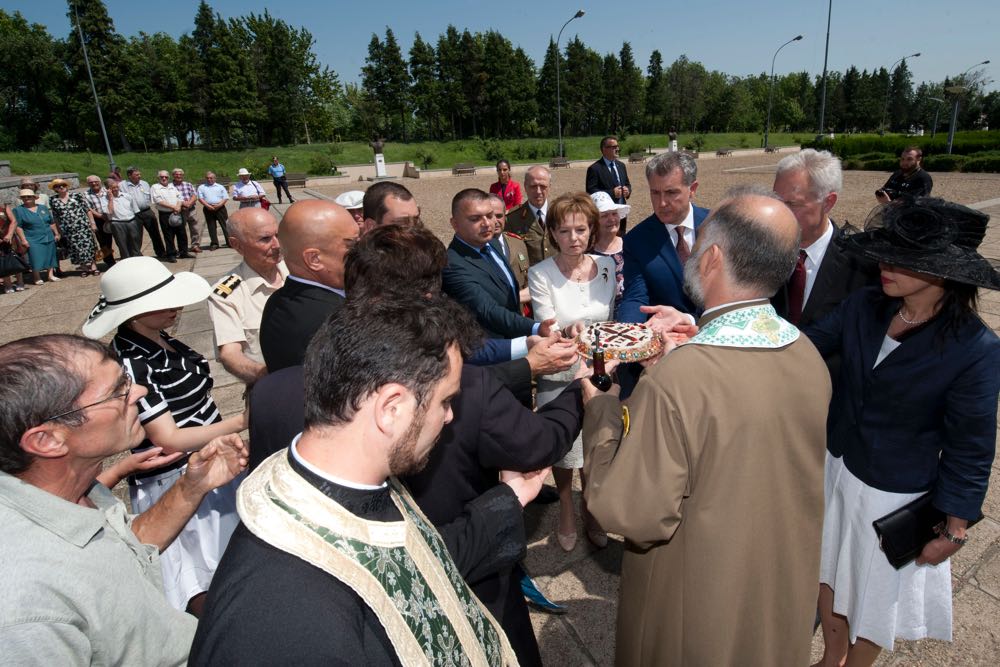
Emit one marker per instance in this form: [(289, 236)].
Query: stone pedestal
[(380, 171)]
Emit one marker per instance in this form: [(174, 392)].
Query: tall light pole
[(93, 89), (888, 88), (578, 14), (957, 92), (770, 93), (826, 55), (936, 112)]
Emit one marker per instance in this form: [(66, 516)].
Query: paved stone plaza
[(586, 580)]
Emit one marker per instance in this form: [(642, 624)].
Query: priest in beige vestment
[(713, 469)]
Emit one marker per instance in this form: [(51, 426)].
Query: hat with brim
[(139, 285), (243, 172), (926, 235), (56, 182), (351, 199), (605, 203), (27, 192)]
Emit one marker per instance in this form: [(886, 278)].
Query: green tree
[(546, 89), (582, 92), (524, 102), (449, 73), (426, 88), (632, 90), (30, 85), (611, 84), (397, 84), (105, 48), (656, 94)]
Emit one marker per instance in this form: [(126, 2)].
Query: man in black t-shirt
[(910, 179)]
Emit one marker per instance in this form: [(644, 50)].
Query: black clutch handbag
[(902, 534)]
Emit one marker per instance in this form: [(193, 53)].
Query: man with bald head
[(315, 236), (715, 474), (528, 219), (236, 303)]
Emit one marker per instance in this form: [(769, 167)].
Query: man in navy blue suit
[(656, 249), (478, 276)]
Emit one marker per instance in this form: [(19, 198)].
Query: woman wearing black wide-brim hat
[(913, 416)]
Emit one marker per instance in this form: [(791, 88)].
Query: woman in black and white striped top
[(143, 299)]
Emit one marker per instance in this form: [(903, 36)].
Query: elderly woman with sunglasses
[(142, 299), (71, 213)]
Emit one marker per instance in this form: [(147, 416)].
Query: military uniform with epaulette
[(236, 305)]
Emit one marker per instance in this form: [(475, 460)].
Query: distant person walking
[(277, 172)]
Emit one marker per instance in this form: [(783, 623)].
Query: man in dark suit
[(315, 236), (477, 275), (528, 219), (809, 182), (610, 175), (656, 249)]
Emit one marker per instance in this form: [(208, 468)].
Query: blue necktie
[(494, 267)]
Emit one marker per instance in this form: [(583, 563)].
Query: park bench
[(637, 157), (463, 168), (771, 149), (558, 162), (296, 179), (724, 152)]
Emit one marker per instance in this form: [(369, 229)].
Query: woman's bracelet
[(960, 541)]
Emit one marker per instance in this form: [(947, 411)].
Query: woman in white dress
[(576, 288)]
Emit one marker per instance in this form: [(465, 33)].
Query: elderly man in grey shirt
[(81, 583)]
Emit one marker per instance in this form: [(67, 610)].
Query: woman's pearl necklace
[(910, 322)]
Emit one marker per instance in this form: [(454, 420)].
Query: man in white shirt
[(167, 200), (247, 191), (140, 192), (809, 182), (124, 226), (213, 198)]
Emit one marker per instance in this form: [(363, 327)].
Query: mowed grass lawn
[(316, 158)]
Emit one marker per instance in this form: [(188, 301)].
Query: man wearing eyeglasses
[(82, 579), (609, 175)]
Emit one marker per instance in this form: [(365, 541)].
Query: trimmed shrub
[(987, 164), (881, 164), (944, 162), (320, 165)]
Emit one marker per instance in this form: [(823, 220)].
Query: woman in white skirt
[(913, 412), (576, 288), (142, 299)]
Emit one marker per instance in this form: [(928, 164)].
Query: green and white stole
[(754, 326), (402, 569)]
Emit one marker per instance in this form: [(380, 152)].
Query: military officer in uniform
[(237, 301), (528, 219)]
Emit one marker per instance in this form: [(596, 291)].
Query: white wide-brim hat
[(604, 203), (351, 199), (243, 172), (140, 285)]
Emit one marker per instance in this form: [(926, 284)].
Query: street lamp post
[(826, 55), (93, 89), (578, 14), (957, 92), (770, 94), (888, 88), (937, 111)]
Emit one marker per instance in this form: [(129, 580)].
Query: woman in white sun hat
[(141, 299), (608, 243)]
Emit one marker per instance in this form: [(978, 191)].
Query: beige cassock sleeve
[(636, 481)]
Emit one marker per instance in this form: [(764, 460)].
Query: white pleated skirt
[(880, 602), (190, 561), (549, 390)]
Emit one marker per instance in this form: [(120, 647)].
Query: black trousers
[(148, 221), (175, 240), (220, 217), (280, 183)]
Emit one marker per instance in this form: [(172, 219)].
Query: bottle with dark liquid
[(600, 378)]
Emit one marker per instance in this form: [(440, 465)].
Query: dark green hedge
[(862, 146)]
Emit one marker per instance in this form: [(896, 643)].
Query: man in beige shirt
[(237, 301)]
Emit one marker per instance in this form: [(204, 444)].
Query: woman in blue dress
[(41, 234)]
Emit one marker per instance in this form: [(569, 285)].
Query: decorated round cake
[(625, 341)]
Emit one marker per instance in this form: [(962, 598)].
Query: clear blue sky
[(734, 36)]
